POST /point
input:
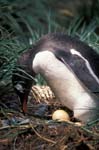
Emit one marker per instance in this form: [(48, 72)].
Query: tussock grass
[(22, 23)]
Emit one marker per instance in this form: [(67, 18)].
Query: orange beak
[(24, 105)]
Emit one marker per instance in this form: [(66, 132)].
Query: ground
[(37, 131)]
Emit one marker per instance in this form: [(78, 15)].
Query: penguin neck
[(63, 82)]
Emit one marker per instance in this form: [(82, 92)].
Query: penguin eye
[(19, 87)]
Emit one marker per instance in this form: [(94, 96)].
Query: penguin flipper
[(80, 69)]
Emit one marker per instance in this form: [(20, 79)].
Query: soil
[(37, 131)]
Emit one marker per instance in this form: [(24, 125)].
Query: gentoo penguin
[(71, 69)]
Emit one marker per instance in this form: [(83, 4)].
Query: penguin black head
[(22, 78), (22, 85)]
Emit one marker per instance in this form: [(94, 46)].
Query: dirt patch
[(37, 130)]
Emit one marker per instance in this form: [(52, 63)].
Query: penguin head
[(23, 78), (22, 84)]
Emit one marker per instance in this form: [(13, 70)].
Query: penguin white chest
[(65, 85)]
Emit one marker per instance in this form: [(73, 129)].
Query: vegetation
[(22, 23)]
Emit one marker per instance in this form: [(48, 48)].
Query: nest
[(42, 93), (41, 132)]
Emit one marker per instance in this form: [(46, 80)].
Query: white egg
[(60, 115)]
